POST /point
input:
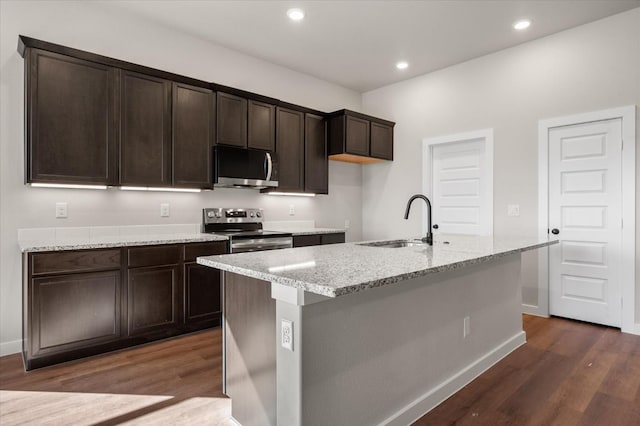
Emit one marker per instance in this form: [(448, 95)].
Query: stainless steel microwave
[(244, 168)]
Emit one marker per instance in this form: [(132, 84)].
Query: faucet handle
[(435, 226)]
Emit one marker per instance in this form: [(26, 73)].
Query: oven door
[(243, 245)]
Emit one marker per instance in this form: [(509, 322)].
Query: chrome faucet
[(429, 237)]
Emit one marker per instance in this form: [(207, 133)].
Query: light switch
[(513, 210)]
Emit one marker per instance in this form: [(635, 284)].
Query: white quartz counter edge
[(119, 241), (314, 285)]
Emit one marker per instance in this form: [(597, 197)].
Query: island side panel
[(250, 353), (390, 354)]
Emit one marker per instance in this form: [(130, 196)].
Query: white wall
[(102, 30), (591, 67)]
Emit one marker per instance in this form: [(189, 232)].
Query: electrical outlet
[(61, 210), (164, 210), (292, 210), (466, 327), (286, 334), (513, 210), (346, 224)]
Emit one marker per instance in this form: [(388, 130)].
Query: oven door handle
[(269, 166)]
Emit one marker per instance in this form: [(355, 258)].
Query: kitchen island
[(366, 334)]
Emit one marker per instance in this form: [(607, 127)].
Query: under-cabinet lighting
[(293, 194), (67, 186), (292, 267), (149, 188), (522, 24), (402, 65), (295, 14)]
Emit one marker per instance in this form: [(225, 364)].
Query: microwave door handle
[(269, 166)]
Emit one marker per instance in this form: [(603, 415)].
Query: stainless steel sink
[(395, 244)]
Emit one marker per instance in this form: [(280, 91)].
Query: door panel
[(585, 206), (461, 199)]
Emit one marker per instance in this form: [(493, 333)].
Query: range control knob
[(218, 215), (210, 214), (258, 214), (251, 214)]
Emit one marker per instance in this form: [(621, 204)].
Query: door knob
[(436, 226), (555, 231)]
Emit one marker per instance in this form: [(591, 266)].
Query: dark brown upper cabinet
[(381, 141), (193, 111), (262, 126), (290, 149), (71, 120), (359, 138), (316, 166), (145, 123), (231, 120)]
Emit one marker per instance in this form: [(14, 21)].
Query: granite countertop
[(310, 231), (339, 269), (59, 244)]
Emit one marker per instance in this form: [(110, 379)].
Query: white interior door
[(585, 206), (462, 187)]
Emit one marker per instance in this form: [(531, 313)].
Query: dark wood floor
[(568, 373)]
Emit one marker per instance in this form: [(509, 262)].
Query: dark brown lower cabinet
[(86, 302), (318, 239), (154, 299), (74, 310)]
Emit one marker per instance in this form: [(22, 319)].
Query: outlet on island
[(164, 210), (292, 210)]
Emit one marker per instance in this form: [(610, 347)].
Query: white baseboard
[(533, 310), (8, 348), (637, 329), (444, 390)]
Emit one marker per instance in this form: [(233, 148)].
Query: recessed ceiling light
[(522, 24), (295, 14), (402, 65)]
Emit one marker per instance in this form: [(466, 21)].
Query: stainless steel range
[(244, 229)]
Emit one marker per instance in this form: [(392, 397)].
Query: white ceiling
[(356, 43)]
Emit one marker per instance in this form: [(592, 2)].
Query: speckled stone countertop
[(309, 231), (339, 269), (114, 241)]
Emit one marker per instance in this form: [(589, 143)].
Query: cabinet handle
[(555, 231), (436, 226)]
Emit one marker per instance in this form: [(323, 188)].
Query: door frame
[(427, 161), (628, 249)]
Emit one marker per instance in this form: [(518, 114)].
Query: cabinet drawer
[(74, 261), (332, 238), (306, 240), (193, 250), (153, 255)]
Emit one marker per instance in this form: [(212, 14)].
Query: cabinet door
[(290, 149), (316, 166), (145, 151), (357, 136), (262, 126), (232, 120), (381, 141), (72, 118), (154, 299), (193, 130), (74, 311), (201, 293)]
